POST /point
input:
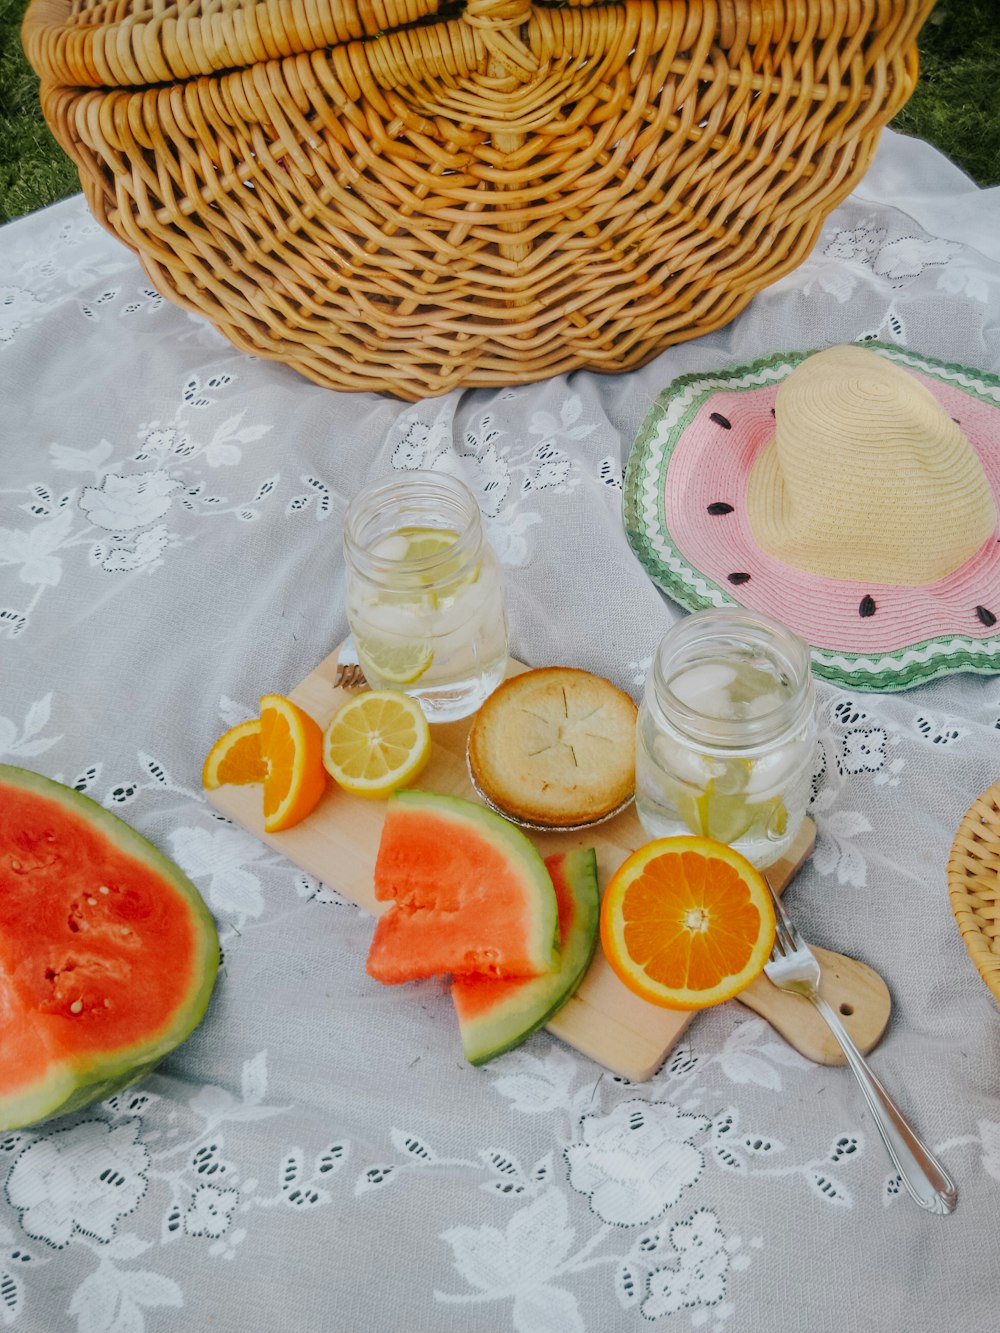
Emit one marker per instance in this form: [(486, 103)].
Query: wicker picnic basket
[(974, 884), (409, 195)]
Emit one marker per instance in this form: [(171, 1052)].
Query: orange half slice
[(687, 922), (291, 744), (235, 757)]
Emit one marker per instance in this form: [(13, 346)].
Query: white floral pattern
[(635, 1163), (83, 1179), (170, 516)]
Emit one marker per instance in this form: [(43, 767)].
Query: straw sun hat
[(851, 493)]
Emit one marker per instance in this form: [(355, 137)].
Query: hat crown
[(867, 478)]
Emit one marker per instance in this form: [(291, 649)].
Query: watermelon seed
[(985, 616), (92, 902), (15, 866), (718, 507), (76, 1007), (104, 889), (720, 420), (739, 577), (866, 607), (107, 1003)]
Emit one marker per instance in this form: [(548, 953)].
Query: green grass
[(34, 170), (956, 105)]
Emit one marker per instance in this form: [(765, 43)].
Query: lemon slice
[(423, 542), (710, 814), (398, 663), (376, 742), (407, 545)]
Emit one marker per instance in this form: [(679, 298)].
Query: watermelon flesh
[(469, 892), (108, 955), (495, 1016)]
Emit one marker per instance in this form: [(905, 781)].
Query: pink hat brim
[(708, 470)]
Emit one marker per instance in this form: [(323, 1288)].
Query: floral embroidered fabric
[(318, 1156)]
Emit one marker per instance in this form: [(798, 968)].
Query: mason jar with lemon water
[(425, 597), (726, 734)]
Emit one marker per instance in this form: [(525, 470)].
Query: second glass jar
[(726, 742)]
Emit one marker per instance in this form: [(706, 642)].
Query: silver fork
[(350, 675), (793, 966)]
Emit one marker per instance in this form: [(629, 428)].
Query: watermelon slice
[(108, 954), (469, 894), (495, 1016)]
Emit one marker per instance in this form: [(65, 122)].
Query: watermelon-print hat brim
[(685, 516)]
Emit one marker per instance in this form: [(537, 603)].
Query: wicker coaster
[(974, 884)]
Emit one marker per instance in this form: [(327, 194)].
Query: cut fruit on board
[(235, 757), (687, 923), (468, 894), (495, 1016), (377, 742), (108, 955), (291, 743), (339, 841)]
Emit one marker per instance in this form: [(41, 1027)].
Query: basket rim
[(982, 814), (137, 50)]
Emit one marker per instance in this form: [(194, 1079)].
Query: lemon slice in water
[(407, 545), (376, 742), (397, 663)]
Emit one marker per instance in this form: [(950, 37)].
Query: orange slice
[(687, 922), (235, 757), (292, 746)]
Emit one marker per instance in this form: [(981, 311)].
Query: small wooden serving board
[(339, 841)]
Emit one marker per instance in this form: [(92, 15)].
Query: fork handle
[(920, 1171)]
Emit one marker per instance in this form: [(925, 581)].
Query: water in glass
[(424, 594), (726, 734)]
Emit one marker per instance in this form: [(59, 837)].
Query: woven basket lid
[(91, 44), (88, 43)]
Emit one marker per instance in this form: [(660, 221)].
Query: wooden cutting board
[(338, 843)]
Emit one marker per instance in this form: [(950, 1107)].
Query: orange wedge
[(687, 922), (235, 757), (292, 746)]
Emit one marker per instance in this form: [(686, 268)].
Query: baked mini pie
[(555, 747)]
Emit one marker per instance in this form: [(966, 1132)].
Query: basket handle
[(499, 24)]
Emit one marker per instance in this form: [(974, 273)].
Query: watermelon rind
[(404, 946), (74, 1083), (525, 1006)]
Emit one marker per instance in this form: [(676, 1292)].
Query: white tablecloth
[(318, 1156)]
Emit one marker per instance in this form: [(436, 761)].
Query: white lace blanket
[(318, 1156)]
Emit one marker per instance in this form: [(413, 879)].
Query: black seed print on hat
[(738, 578), (866, 606), (987, 617), (719, 507), (720, 420)]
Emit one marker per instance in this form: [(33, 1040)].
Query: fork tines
[(349, 676)]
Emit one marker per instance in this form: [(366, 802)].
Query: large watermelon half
[(469, 894), (108, 954), (495, 1016)]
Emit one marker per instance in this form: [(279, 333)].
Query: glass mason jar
[(424, 594), (726, 736)]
